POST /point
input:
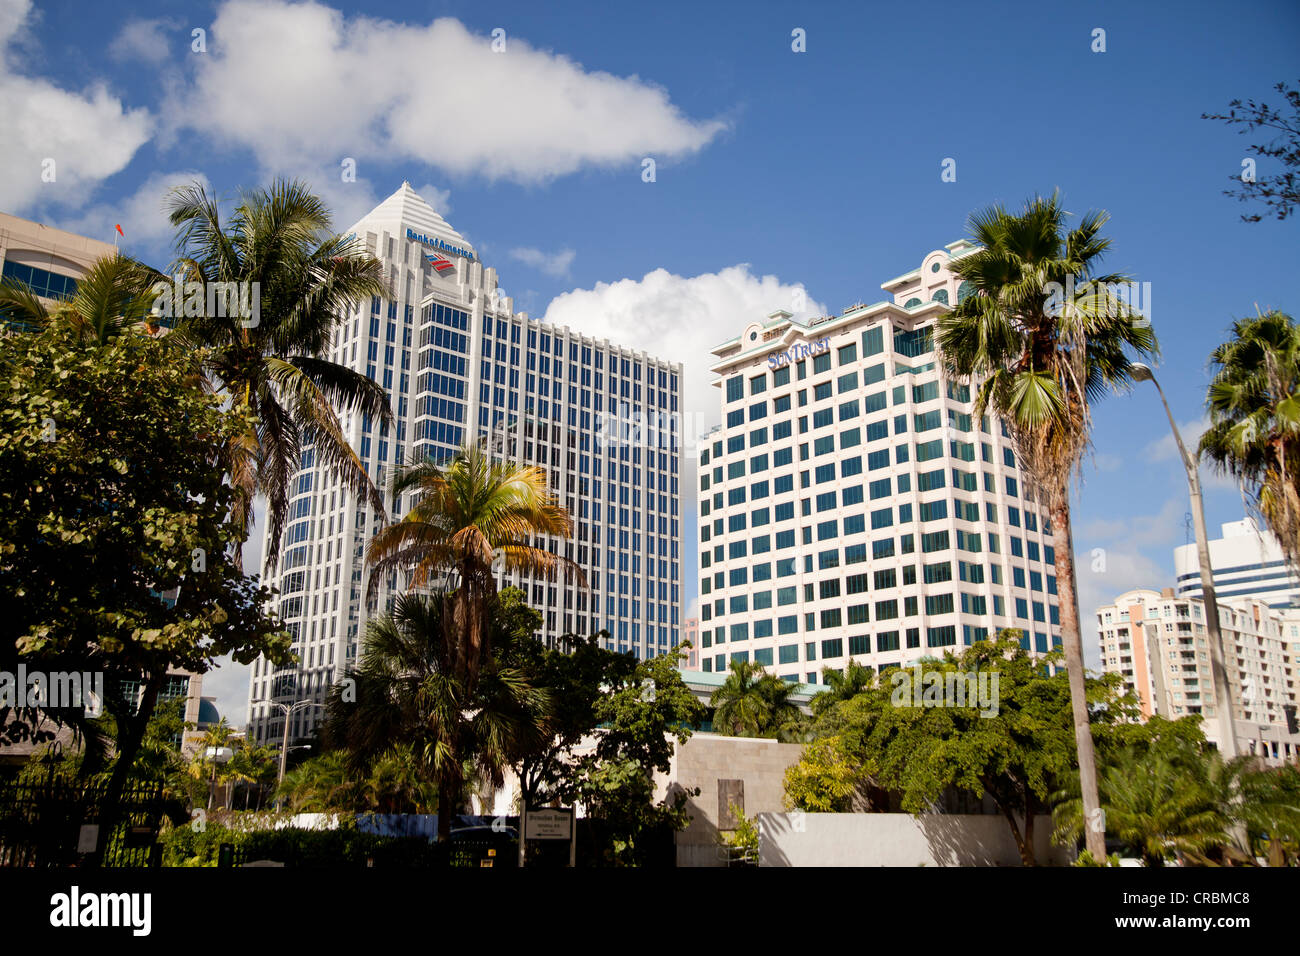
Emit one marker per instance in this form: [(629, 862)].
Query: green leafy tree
[(1040, 357), (755, 703), (827, 778), (471, 512), (1017, 756), (1280, 193), (116, 552), (1254, 433), (271, 367), (576, 676), (642, 715)]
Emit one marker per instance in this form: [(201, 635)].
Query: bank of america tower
[(459, 365)]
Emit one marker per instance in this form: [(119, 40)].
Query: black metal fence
[(56, 823)]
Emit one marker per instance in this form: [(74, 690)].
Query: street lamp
[(1222, 699), (288, 710), (218, 755)]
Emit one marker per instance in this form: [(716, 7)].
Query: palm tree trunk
[(1072, 641)]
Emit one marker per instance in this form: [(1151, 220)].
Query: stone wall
[(898, 839), (748, 770)]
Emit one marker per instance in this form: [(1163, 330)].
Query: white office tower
[(459, 364), (850, 508), (1246, 563)]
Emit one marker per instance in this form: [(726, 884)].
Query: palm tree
[(214, 738), (754, 703), (843, 685), (1155, 805), (397, 783), (471, 512), (1039, 366), (409, 693), (115, 295), (1262, 802), (324, 784), (1254, 435), (306, 279)]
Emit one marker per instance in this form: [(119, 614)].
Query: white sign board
[(545, 824)]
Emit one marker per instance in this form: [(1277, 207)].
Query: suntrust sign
[(433, 242), (798, 351)]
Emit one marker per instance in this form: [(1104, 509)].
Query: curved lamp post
[(1222, 698), (288, 710)]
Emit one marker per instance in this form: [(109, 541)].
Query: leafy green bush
[(343, 847), (1086, 859)]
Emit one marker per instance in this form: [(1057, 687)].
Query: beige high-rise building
[(47, 259), (691, 634), (1158, 643)]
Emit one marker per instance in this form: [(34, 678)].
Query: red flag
[(119, 231)]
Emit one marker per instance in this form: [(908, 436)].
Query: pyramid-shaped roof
[(407, 209)]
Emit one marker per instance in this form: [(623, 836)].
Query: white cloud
[(1119, 568), (298, 80), (439, 199), (1113, 556), (144, 40), (680, 319), (553, 263), (1165, 448), (141, 215), (88, 135), (228, 683)]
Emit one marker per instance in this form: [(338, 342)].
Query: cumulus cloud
[(439, 199), (1165, 449), (228, 681), (1116, 555), (529, 115), (680, 318), (147, 41), (552, 263), (141, 214), (75, 138)]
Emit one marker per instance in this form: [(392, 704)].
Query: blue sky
[(774, 169)]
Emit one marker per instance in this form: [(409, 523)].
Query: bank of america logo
[(440, 263)]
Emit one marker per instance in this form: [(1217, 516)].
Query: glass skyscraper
[(459, 364)]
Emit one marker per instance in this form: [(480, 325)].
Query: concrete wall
[(897, 839), (706, 759)]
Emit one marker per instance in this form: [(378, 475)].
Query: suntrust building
[(850, 506), (460, 365)]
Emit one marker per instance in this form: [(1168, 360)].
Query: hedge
[(343, 847)]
